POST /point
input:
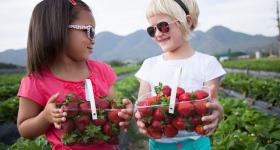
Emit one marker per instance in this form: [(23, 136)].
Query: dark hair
[(48, 31)]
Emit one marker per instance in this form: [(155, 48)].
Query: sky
[(124, 17)]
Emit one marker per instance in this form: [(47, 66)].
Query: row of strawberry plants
[(265, 64), (9, 85), (125, 69), (246, 128), (266, 89)]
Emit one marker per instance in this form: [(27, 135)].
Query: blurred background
[(242, 34)]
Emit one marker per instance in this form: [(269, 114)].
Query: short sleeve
[(142, 73), (110, 75), (30, 89), (213, 69)]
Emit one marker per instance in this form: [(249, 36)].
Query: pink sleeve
[(30, 89), (110, 75)]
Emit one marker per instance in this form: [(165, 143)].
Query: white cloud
[(126, 16)]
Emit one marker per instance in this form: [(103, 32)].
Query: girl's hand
[(141, 126), (214, 118), (126, 114), (52, 114)]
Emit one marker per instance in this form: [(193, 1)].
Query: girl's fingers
[(124, 116), (141, 124), (58, 126), (137, 115), (213, 116), (143, 131), (124, 124)]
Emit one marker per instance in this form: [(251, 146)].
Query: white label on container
[(175, 83), (90, 97)]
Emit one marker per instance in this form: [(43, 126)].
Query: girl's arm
[(33, 120), (143, 88)]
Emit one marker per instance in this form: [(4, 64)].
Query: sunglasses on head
[(162, 26), (88, 28)]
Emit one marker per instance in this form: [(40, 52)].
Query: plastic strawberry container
[(80, 128), (190, 106)]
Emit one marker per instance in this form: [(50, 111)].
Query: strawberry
[(166, 90), (184, 97), (157, 125), (159, 114), (67, 126), (200, 107), (101, 120), (152, 100), (196, 121), (71, 109), (185, 109), (170, 131), (154, 133), (144, 109), (114, 117), (98, 141), (85, 107), (110, 129), (179, 123), (102, 103), (200, 94), (179, 92), (199, 130), (82, 122)]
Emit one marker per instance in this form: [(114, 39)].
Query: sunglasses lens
[(163, 27), (151, 31), (91, 33)]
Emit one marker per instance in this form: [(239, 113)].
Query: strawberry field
[(243, 127)]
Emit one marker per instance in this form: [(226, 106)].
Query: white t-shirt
[(196, 70)]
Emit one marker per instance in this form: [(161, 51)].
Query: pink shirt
[(40, 89)]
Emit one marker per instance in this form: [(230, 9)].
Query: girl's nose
[(93, 41)]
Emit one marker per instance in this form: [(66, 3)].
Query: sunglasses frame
[(84, 27), (156, 27)]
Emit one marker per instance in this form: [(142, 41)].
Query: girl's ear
[(190, 22)]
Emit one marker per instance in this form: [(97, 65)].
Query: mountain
[(139, 45)]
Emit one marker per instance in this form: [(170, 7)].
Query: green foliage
[(9, 85), (125, 69), (265, 64), (266, 89), (9, 110), (246, 128), (39, 143)]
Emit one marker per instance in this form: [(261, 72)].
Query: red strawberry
[(85, 107), (154, 133), (170, 131), (185, 109), (179, 92), (144, 109), (152, 100), (199, 130), (71, 109), (114, 117), (82, 122), (184, 97), (156, 125), (159, 114), (166, 90), (102, 103), (200, 94), (110, 129), (101, 120), (196, 121), (67, 126), (179, 123), (200, 107)]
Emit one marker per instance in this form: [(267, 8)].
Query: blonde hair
[(174, 10)]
